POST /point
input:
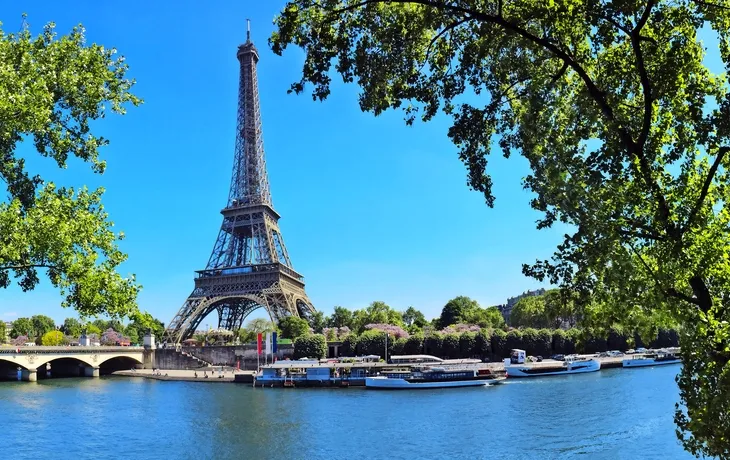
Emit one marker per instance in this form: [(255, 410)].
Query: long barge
[(349, 372)]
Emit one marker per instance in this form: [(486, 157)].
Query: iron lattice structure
[(249, 267)]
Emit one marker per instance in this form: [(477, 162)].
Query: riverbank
[(187, 375), (242, 376)]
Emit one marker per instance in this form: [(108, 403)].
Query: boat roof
[(416, 357), (330, 365)]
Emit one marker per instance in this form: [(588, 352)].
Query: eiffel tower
[(249, 267)]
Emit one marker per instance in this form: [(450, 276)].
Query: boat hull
[(578, 367), (384, 383), (649, 362)]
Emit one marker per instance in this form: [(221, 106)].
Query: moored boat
[(436, 377), (658, 359), (570, 366)]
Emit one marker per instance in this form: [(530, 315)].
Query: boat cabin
[(518, 356)]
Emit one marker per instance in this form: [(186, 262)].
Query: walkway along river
[(610, 414)]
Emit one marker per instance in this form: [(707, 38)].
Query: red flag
[(258, 343)]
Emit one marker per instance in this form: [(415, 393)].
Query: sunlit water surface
[(612, 414)]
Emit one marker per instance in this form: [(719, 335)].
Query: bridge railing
[(68, 349)]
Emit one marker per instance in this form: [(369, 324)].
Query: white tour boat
[(658, 359), (436, 377), (570, 366)]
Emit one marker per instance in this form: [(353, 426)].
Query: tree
[(529, 312), (310, 346), (3, 331), (141, 323), (292, 327), (625, 129), (341, 317), (457, 310), (42, 324), (489, 317), (317, 321), (71, 327), (260, 326), (22, 327), (413, 317), (53, 90), (376, 313), (53, 339)]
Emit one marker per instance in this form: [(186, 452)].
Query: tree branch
[(26, 267), (643, 76), (637, 234), (712, 5), (451, 26), (705, 187)]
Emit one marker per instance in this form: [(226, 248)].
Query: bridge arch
[(232, 311)]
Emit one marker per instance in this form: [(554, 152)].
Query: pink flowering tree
[(459, 328), (112, 337), (19, 341), (390, 329), (336, 333)]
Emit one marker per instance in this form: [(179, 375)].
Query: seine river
[(612, 414)]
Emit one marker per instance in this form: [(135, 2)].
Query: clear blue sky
[(371, 209)]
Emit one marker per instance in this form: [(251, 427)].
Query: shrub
[(482, 344), (53, 339), (467, 342), (544, 343), (514, 340), (529, 341), (349, 345), (498, 344), (372, 342), (434, 345), (310, 346), (399, 346), (413, 345), (450, 347), (559, 342)]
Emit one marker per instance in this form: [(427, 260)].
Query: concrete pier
[(29, 375), (91, 371)]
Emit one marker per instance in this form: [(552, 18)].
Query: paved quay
[(186, 375)]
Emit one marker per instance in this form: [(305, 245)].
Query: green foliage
[(399, 345), (450, 346), (141, 323), (50, 95), (53, 339), (529, 341), (434, 345), (559, 338), (349, 345), (413, 317), (310, 346), (376, 313), (72, 327), (490, 318), (499, 344), (467, 344), (317, 322), (625, 129), (341, 317), (482, 344), (22, 327), (514, 340), (544, 311), (3, 331), (544, 344), (292, 327), (457, 310), (413, 345), (372, 342)]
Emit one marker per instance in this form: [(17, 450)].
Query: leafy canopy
[(624, 127), (51, 90)]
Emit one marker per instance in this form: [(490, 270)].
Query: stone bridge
[(68, 361)]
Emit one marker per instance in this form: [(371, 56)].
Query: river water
[(612, 414)]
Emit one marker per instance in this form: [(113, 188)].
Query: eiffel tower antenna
[(249, 267)]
